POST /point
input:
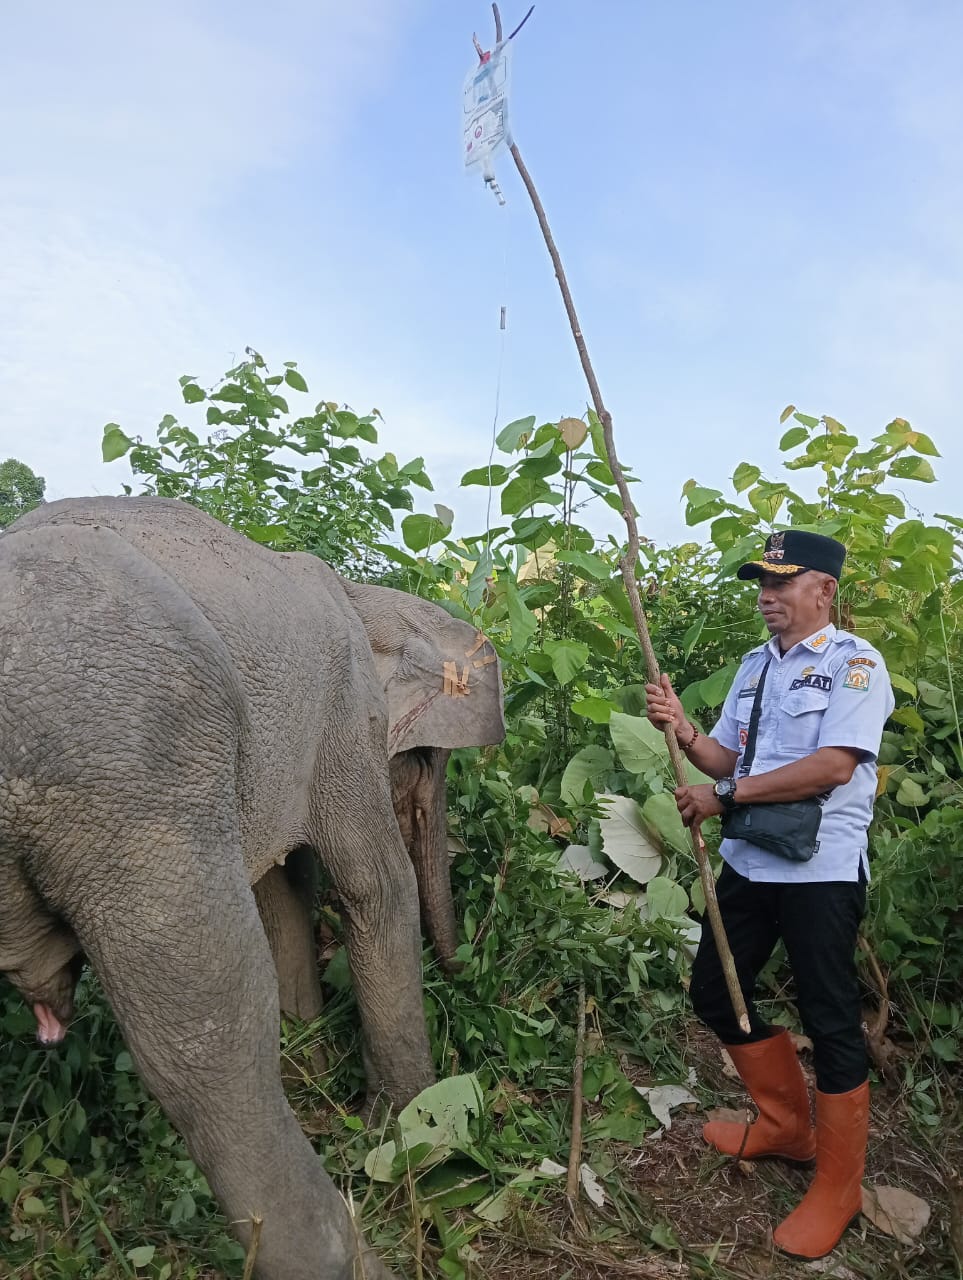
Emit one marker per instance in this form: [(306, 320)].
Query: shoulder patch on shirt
[(861, 662), (857, 678), (810, 681)]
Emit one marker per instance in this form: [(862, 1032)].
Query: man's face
[(795, 606)]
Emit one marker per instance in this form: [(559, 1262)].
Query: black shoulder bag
[(789, 829)]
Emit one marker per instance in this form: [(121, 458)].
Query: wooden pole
[(628, 566)]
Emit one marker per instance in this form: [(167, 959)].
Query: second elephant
[(286, 894)]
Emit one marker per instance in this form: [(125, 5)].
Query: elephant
[(186, 720), (285, 895)]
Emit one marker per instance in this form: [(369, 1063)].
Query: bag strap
[(750, 752)]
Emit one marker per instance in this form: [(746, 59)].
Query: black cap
[(792, 551)]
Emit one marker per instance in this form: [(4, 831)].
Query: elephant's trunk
[(420, 801)]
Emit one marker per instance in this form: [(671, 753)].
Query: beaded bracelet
[(691, 743)]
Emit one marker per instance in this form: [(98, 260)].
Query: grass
[(673, 1207)]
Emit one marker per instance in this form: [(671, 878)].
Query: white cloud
[(182, 180), (131, 137)]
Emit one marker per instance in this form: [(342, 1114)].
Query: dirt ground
[(721, 1213)]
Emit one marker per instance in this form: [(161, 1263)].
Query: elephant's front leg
[(186, 966), (375, 881)]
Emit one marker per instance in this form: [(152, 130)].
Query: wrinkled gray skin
[(285, 895), (180, 711)]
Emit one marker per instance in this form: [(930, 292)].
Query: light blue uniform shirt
[(831, 690)]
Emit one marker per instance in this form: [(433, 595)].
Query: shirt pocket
[(801, 719)]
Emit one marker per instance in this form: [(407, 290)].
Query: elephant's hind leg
[(285, 899), (185, 964), (285, 902)]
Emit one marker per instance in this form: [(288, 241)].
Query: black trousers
[(818, 924)]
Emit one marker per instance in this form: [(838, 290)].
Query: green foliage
[(293, 483), (901, 587), (79, 1133), (582, 780), (20, 490), (915, 927)]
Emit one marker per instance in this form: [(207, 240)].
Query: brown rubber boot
[(829, 1206), (771, 1072)]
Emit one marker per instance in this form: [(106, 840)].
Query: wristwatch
[(725, 793)]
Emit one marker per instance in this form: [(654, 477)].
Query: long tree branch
[(578, 1075), (628, 565)]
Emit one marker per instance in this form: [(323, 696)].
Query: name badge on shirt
[(813, 681)]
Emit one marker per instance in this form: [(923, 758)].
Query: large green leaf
[(568, 658), (626, 840), (923, 444), (900, 682), (588, 765), (663, 821), (934, 696), (142, 1255), (115, 443), (493, 475), (523, 622), (478, 580), (295, 380), (691, 637), (912, 469), (538, 467), (421, 531), (431, 1127), (449, 1102), (601, 472), (523, 492), (710, 691), (911, 794), (794, 436), (532, 531), (744, 476), (727, 529), (766, 499), (698, 496), (594, 567), (910, 717), (641, 746), (665, 899), (514, 435), (598, 710)]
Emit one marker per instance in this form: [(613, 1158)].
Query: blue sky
[(757, 204)]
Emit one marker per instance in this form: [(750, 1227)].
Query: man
[(821, 697)]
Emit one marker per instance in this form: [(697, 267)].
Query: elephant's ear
[(441, 677)]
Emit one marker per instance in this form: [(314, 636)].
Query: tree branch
[(578, 1076)]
